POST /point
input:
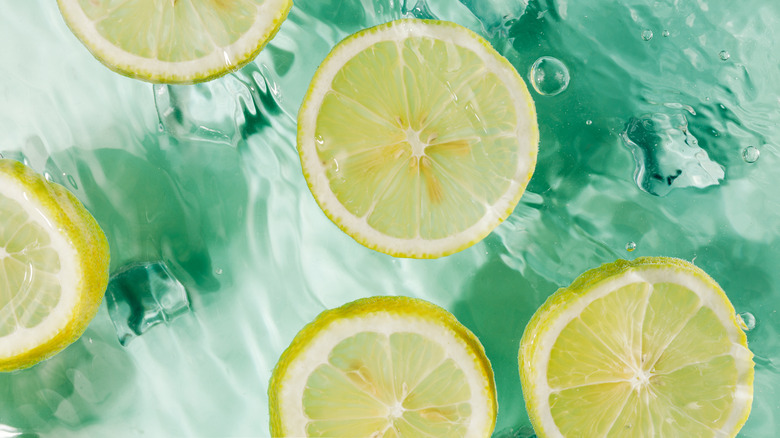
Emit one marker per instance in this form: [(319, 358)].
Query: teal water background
[(220, 253)]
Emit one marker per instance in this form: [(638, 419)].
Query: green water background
[(206, 180)]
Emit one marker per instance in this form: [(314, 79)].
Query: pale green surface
[(218, 195)]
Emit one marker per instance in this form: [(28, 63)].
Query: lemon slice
[(174, 41), (417, 138), (383, 367), (634, 349), (53, 267)]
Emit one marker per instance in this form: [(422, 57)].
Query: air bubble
[(647, 34), (589, 122), (549, 76), (218, 271), (750, 154), (724, 55), (630, 246), (746, 321), (666, 33)]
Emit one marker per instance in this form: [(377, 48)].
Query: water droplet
[(666, 33), (746, 321), (724, 55), (750, 154), (549, 76), (630, 246), (588, 122), (160, 127), (647, 34), (218, 271)]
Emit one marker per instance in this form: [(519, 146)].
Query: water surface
[(663, 141)]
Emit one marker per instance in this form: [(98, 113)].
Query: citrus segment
[(179, 41), (644, 348), (417, 138), (383, 367), (53, 267)]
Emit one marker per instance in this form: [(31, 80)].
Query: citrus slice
[(633, 349), (383, 367), (174, 41), (417, 138), (53, 267)]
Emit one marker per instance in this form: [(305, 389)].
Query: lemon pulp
[(383, 367), (634, 348), (53, 267), (29, 270), (174, 41)]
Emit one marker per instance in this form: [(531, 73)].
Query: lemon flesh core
[(176, 41), (369, 385), (383, 367), (417, 138), (29, 270), (656, 353)]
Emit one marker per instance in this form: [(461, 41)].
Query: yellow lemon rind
[(557, 305), (410, 248), (84, 233), (400, 306)]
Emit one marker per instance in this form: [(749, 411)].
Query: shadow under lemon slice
[(417, 138), (650, 347), (53, 267), (384, 367)]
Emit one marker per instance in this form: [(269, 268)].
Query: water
[(142, 296), (205, 181)]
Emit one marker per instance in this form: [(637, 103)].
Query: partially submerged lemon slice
[(174, 41), (417, 138), (53, 267), (632, 349), (383, 367)]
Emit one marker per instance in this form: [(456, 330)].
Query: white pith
[(642, 373), (358, 227), (24, 339), (317, 350)]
